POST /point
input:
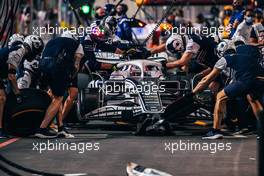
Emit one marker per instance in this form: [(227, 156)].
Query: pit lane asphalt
[(118, 146)]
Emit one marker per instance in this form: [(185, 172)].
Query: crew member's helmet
[(34, 43), (15, 39), (110, 23), (239, 40), (106, 30), (110, 9), (121, 9), (175, 44), (225, 47), (70, 34)]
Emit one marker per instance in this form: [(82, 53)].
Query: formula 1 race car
[(137, 90)]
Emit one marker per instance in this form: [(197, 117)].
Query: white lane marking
[(77, 174), (235, 137)]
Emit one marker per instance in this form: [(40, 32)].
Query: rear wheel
[(23, 119)]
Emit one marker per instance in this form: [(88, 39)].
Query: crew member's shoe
[(53, 127), (3, 134), (213, 134), (45, 133), (242, 131), (63, 133)]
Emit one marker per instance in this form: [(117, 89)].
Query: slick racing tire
[(23, 119)]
